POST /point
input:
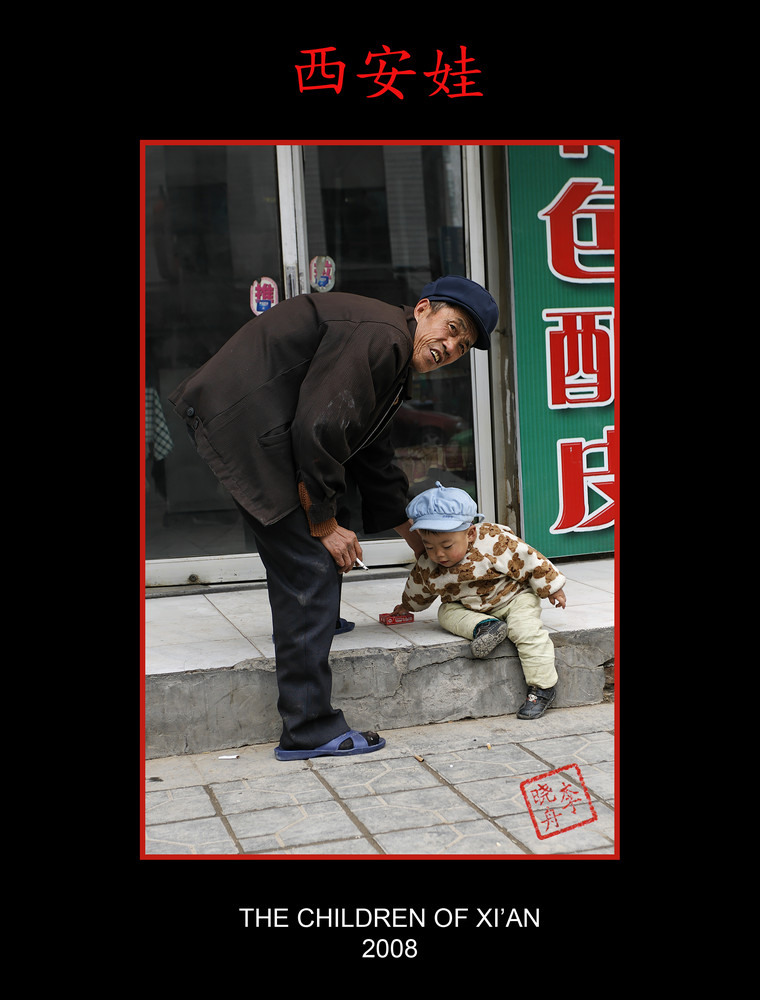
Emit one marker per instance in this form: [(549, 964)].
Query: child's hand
[(399, 610), (557, 598)]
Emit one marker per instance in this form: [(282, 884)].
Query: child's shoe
[(537, 702), (487, 636)]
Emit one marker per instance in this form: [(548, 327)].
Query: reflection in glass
[(212, 228), (391, 217)]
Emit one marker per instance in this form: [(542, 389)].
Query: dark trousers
[(304, 594)]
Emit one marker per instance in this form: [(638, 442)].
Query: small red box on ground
[(396, 619)]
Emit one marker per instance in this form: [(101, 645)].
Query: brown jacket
[(300, 393)]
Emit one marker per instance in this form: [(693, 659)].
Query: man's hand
[(344, 547)]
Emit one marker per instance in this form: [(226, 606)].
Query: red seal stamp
[(558, 801)]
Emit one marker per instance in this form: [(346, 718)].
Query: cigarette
[(360, 564), (229, 756)]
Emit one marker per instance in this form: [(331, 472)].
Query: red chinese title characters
[(319, 74), (441, 74), (319, 63), (386, 85)]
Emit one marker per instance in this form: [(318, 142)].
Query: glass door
[(212, 254), (383, 221), (230, 230)]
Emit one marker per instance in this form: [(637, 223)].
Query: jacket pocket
[(275, 437)]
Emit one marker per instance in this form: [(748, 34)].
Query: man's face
[(441, 337)]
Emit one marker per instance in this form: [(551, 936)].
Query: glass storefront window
[(212, 229), (389, 217), (391, 220)]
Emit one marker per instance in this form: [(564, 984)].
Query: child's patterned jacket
[(498, 566)]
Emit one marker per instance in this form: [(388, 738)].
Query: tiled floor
[(204, 631), (451, 788)]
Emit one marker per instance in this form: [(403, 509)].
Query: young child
[(490, 584)]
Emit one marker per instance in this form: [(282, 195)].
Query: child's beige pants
[(524, 628)]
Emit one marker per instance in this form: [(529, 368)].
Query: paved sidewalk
[(220, 627), (471, 788), (210, 667)]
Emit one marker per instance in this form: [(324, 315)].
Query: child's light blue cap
[(443, 509)]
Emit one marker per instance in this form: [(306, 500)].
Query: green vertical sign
[(562, 204)]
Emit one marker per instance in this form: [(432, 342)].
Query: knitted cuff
[(317, 530)]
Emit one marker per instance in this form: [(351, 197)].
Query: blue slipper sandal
[(342, 626), (359, 744)]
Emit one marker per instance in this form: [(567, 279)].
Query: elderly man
[(297, 397)]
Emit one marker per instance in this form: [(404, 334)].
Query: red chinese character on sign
[(441, 74), (321, 65), (582, 202), (569, 151), (579, 357), (387, 85), (263, 295), (579, 482)]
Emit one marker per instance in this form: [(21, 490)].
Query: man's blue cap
[(443, 509), (471, 296)]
